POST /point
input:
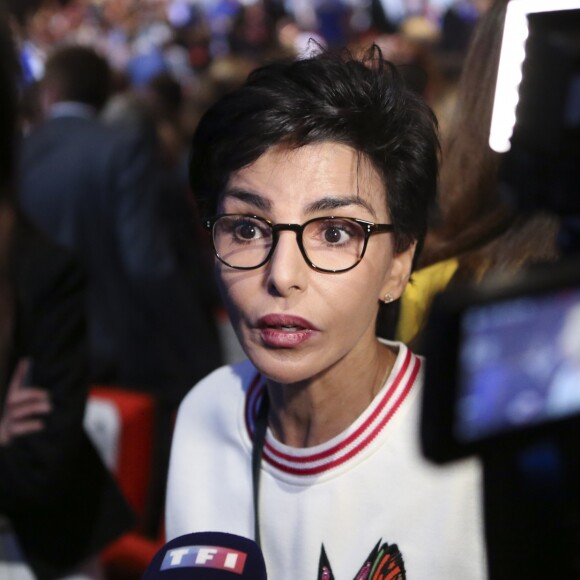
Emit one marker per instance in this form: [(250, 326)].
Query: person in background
[(475, 233), (54, 489), (95, 190), (317, 174)]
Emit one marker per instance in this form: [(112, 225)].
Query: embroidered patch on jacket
[(385, 562)]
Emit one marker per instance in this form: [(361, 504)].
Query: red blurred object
[(121, 424)]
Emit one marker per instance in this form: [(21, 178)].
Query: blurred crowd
[(205, 46)]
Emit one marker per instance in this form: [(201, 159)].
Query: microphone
[(208, 555)]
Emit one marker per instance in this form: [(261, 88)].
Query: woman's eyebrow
[(327, 203), (335, 202), (249, 198)]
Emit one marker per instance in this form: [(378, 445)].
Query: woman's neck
[(315, 411)]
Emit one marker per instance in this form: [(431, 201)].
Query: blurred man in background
[(96, 190)]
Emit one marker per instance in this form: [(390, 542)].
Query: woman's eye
[(246, 231), (338, 232), (249, 230), (334, 235)]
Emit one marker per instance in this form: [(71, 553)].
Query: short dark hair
[(81, 75), (330, 96)]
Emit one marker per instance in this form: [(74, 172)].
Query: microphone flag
[(208, 555)]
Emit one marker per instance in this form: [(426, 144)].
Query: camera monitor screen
[(518, 364), (502, 363)]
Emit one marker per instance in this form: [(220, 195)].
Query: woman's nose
[(287, 269)]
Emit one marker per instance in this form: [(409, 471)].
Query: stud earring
[(388, 299)]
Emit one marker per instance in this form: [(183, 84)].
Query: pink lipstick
[(284, 330)]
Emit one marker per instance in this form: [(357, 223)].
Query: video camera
[(491, 329), (508, 370), (502, 373)]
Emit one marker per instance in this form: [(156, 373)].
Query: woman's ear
[(398, 275)]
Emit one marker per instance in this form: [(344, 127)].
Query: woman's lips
[(285, 331)]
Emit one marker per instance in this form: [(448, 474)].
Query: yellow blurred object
[(418, 295)]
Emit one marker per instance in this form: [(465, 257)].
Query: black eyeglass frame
[(369, 229)]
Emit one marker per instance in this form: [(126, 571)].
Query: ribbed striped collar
[(344, 447)]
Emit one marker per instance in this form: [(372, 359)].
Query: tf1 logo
[(205, 557)]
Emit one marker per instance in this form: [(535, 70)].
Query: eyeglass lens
[(329, 243)]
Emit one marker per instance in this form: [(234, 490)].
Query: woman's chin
[(279, 366)]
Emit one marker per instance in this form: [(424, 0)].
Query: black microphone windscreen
[(208, 555)]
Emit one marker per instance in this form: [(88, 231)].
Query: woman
[(320, 172), (479, 232)]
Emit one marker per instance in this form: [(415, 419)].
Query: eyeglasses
[(328, 244)]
